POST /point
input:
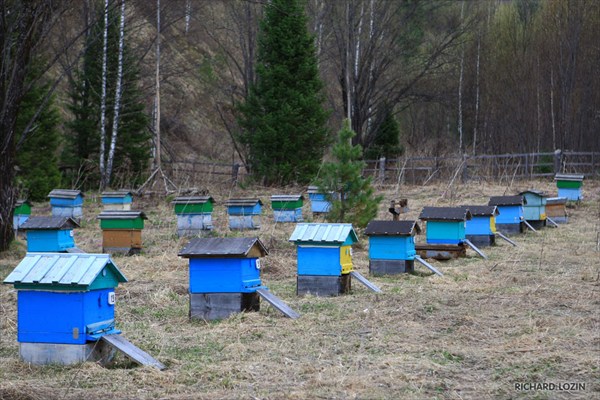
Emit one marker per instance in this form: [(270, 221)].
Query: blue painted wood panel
[(194, 221), (50, 240), (61, 317), (77, 201), (244, 222), (244, 210), (319, 203), (509, 214), (450, 232), (67, 211), (319, 261), (391, 248), (19, 219), (117, 200), (224, 275), (294, 215), (573, 194), (479, 225)]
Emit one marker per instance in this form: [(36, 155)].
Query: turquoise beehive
[(391, 246), (445, 225)]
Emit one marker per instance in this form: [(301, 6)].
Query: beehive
[(65, 304), (50, 234), (569, 186), (391, 246), (194, 214), (481, 228), (510, 209), (224, 276), (324, 255), (66, 203), (534, 209), (319, 202), (556, 209), (119, 200), (244, 213), (21, 213), (287, 208), (122, 231)]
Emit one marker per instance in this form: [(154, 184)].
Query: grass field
[(529, 314)]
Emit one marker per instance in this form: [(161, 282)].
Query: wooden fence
[(420, 170)]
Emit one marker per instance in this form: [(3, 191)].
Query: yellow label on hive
[(346, 259), (542, 216), (493, 224)]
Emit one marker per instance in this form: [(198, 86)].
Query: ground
[(528, 314)]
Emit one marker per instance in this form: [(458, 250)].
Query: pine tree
[(38, 171), (387, 139), (133, 144), (282, 119), (351, 195)]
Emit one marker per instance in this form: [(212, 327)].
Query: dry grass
[(528, 314)]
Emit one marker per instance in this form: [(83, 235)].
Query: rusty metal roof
[(192, 200), (65, 193), (119, 214), (392, 228), (445, 214), (79, 269), (482, 211), (569, 177), (507, 201), (287, 197), (219, 247), (327, 233), (241, 202), (49, 223)]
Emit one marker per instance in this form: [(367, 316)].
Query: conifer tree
[(387, 139), (282, 119), (351, 195)]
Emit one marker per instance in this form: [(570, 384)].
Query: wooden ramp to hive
[(441, 251), (365, 281), (277, 303), (133, 352)]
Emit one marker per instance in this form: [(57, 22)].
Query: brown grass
[(528, 314)]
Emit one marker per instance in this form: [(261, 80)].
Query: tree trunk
[(103, 99)]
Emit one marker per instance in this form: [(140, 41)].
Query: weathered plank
[(390, 267), (482, 240), (431, 267), (278, 303), (471, 245), (319, 285), (365, 281), (214, 306), (551, 221), (527, 224), (441, 251), (502, 236), (130, 350)]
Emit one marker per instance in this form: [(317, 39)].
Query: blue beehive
[(224, 275), (510, 217), (534, 209), (319, 204), (194, 214), (244, 213), (481, 228), (287, 208), (445, 225), (324, 254), (50, 234), (569, 186), (66, 299), (119, 200), (66, 203), (391, 246)]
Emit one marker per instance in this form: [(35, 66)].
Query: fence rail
[(421, 170)]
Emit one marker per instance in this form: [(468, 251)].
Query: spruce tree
[(387, 139), (83, 142), (282, 119), (351, 195)]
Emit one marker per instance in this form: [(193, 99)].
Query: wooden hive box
[(224, 276), (534, 209), (556, 209), (194, 214), (66, 203), (510, 209), (119, 200), (287, 208), (244, 213), (122, 231), (481, 228), (445, 232), (21, 213), (569, 186), (50, 234), (319, 202), (391, 246), (65, 304), (324, 254)]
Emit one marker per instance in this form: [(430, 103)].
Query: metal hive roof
[(192, 200), (118, 214), (507, 201), (21, 202), (117, 193), (328, 233), (569, 177), (216, 247), (445, 214), (242, 202), (535, 192), (49, 223), (482, 211), (286, 197), (77, 269), (65, 193), (392, 228), (556, 200)]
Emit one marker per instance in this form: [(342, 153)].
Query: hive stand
[(194, 215)]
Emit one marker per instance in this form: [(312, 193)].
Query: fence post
[(235, 169), (557, 160), (382, 170)]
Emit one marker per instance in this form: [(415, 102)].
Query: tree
[(282, 119), (351, 195), (387, 139)]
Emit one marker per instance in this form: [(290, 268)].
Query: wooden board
[(135, 353), (320, 285), (277, 303), (510, 229), (214, 306), (429, 266), (122, 238), (475, 248), (391, 267), (482, 240), (365, 281), (503, 237), (441, 251), (65, 354)]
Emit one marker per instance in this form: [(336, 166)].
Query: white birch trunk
[(477, 64), (552, 109), (188, 15), (103, 97), (348, 95), (460, 85), (157, 160), (118, 93)]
